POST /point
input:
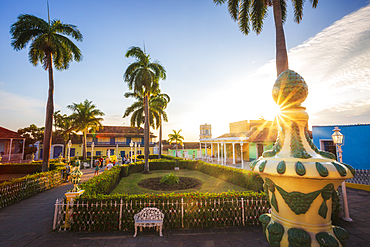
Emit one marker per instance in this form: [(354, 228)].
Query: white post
[(92, 154), (117, 150), (200, 147), (241, 154), (344, 190), (218, 152), (135, 150), (182, 212), (120, 214), (221, 150), (24, 142), (69, 145), (212, 152), (225, 157), (233, 153), (55, 214), (131, 152), (242, 211), (205, 150), (10, 149)]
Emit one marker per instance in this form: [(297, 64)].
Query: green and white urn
[(76, 179), (300, 180)]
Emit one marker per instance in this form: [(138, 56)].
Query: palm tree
[(166, 100), (136, 110), (175, 137), (48, 46), (142, 76), (253, 13), (85, 117), (65, 127)]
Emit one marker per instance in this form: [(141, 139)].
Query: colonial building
[(10, 145), (188, 150), (113, 140), (247, 141), (355, 148)]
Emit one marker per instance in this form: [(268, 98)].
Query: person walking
[(97, 168)]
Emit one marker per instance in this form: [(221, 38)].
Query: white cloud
[(20, 111), (335, 63), (20, 104)]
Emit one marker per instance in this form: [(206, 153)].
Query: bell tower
[(205, 131)]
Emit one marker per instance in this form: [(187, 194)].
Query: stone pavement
[(29, 223)]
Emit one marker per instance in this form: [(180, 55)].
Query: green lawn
[(210, 184)]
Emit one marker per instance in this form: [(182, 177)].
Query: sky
[(215, 74)]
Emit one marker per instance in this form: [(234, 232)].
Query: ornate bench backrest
[(149, 214)]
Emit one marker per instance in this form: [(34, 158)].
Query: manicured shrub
[(21, 188), (170, 179), (96, 210)]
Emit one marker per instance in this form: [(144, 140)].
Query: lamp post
[(139, 149), (92, 153), (135, 150), (131, 145), (69, 145), (338, 139)]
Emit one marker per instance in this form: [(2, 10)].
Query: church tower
[(205, 131)]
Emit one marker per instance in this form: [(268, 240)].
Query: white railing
[(17, 191), (181, 213), (361, 177), (5, 157)]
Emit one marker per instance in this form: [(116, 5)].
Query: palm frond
[(283, 6), (298, 10), (259, 13), (70, 30), (219, 1), (243, 18), (233, 7), (314, 3), (137, 53)]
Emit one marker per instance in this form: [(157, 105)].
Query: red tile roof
[(264, 135), (120, 131), (8, 134)]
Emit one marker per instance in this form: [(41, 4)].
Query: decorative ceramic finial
[(290, 89)]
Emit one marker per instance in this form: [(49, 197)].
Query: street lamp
[(92, 153), (135, 151), (69, 145), (131, 145), (338, 140), (139, 149)]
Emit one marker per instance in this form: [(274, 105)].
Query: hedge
[(96, 210), (24, 168), (24, 187)]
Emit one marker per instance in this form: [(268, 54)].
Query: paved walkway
[(29, 223)]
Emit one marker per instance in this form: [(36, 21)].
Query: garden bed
[(129, 185)]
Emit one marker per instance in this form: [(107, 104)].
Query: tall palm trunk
[(281, 52), (160, 140), (84, 146), (146, 134), (176, 148), (48, 117)]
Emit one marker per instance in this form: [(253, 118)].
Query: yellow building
[(114, 140)]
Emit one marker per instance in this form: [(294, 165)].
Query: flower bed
[(95, 210)]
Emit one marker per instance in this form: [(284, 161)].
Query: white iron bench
[(86, 165), (149, 217)]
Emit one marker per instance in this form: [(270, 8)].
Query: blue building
[(356, 148)]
